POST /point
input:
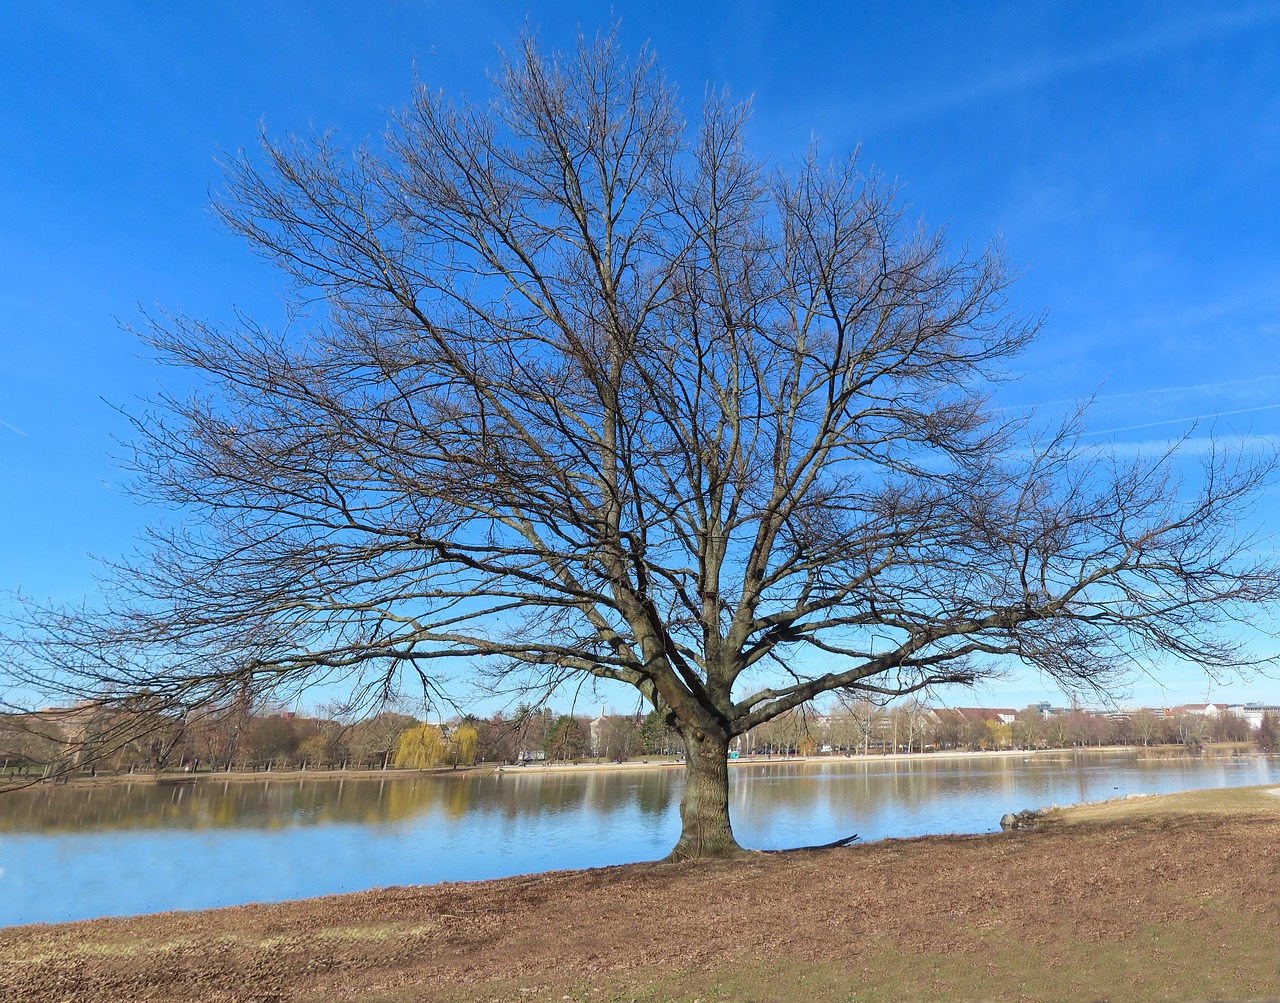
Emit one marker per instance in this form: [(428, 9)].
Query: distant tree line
[(238, 737), (862, 727), (241, 738)]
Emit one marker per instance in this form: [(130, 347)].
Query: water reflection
[(222, 804), (214, 803), (123, 848), (845, 788)]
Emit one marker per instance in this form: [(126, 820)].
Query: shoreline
[(983, 914), (7, 784), (1155, 752), (889, 757)]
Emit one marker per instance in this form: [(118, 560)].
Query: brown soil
[(1166, 906)]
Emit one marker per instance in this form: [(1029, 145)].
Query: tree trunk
[(704, 809)]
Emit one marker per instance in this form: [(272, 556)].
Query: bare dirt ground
[(1152, 899)]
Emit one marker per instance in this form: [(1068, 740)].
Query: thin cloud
[(1176, 391), (1186, 419), (13, 428), (1166, 38), (1192, 446)]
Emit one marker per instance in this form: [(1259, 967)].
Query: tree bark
[(705, 830)]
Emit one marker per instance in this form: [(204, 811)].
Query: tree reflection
[(777, 801)]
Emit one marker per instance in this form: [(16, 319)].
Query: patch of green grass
[(1221, 954), (1163, 964), (1237, 801)]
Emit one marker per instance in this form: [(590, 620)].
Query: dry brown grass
[(1147, 899)]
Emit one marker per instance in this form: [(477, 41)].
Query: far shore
[(887, 757), (12, 782)]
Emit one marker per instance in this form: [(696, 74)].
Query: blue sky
[(1128, 155)]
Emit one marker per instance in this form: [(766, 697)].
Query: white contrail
[(1150, 392), (13, 428), (1194, 417), (1190, 447)]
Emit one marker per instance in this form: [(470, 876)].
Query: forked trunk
[(704, 810)]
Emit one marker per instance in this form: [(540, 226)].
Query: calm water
[(73, 853)]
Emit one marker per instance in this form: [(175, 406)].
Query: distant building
[(1202, 709), (597, 734), (1253, 712), (1002, 715)]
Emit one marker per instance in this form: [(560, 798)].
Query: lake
[(79, 852)]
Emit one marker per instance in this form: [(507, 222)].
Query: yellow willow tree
[(578, 387), (420, 747), (462, 744)]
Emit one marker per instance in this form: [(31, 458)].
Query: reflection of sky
[(530, 823), (957, 795)]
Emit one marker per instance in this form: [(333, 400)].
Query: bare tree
[(842, 728), (1267, 734), (216, 728), (1190, 729), (1028, 728), (620, 737), (573, 387), (29, 741), (372, 742), (909, 721), (1144, 725), (868, 717), (1229, 727)]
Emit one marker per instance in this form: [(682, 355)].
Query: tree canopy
[(420, 747), (575, 387)]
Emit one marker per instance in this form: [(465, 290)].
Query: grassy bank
[(1168, 898)]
